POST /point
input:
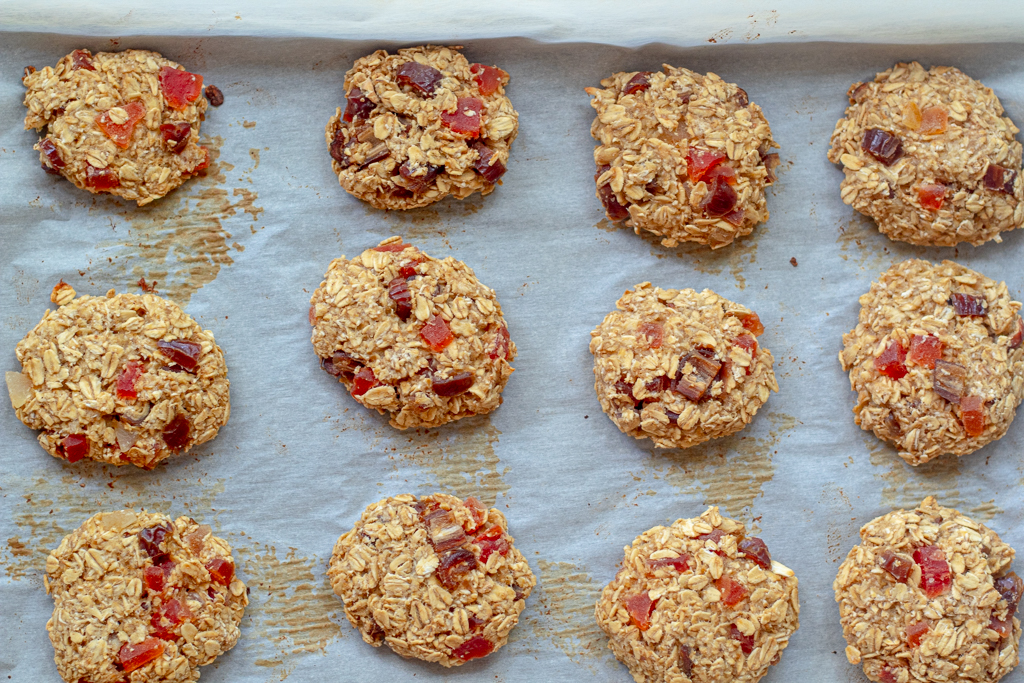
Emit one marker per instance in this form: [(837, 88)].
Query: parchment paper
[(299, 460)]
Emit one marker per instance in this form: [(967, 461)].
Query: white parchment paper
[(244, 248)]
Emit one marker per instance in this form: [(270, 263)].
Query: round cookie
[(936, 360), (928, 597), (930, 157), (412, 335), (420, 125), (681, 155), (125, 123), (122, 378), (137, 596), (680, 367), (699, 602), (434, 577)]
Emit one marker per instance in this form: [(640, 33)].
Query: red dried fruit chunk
[(746, 642), (1018, 333), (625, 388), (474, 648), (443, 531), (477, 511), (171, 614), (133, 657), (221, 570), (640, 608), (700, 161), (180, 88), (735, 217), (492, 541), (454, 385), (771, 162), (151, 538), (658, 384), (757, 550), (155, 579), (715, 536), (417, 183), (972, 414), (723, 171), (183, 353), (924, 350), (1003, 627), (886, 675), (968, 304), (654, 332), (76, 447), (680, 563), (720, 200), (747, 343), (82, 59), (490, 170), (883, 146), (936, 577), (999, 179), (501, 344), (465, 120), (931, 195), (732, 591), (949, 380), (175, 434), (204, 164), (341, 364), (488, 78), (694, 382), (393, 246), (126, 380), (177, 133), (640, 81), (121, 133), (436, 333), (891, 361), (358, 106), (685, 660), (917, 631), (612, 208), (398, 291), (898, 566), (934, 120), (1011, 587), (101, 179), (419, 77), (52, 155), (751, 322), (364, 381), (453, 566)]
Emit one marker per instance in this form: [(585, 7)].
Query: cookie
[(680, 367), (681, 155), (121, 378), (699, 602), (411, 335), (434, 577), (420, 125), (125, 123), (137, 596), (928, 597), (935, 359), (930, 157)]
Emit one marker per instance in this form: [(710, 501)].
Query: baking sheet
[(244, 248)]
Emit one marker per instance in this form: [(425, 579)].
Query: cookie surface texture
[(411, 335), (681, 155), (121, 378), (419, 125), (434, 577), (929, 155), (139, 597), (699, 602), (680, 367), (936, 359), (125, 123), (928, 597)]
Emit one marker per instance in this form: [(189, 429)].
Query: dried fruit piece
[(898, 566), (1018, 333), (490, 170), (443, 531), (417, 183), (700, 161), (204, 164), (681, 563), (82, 59), (358, 106), (126, 380), (640, 608), (931, 195), (771, 162), (214, 95), (715, 536), (1010, 587), (733, 592), (363, 381), (934, 121), (221, 570), (474, 648), (492, 541), (398, 291), (968, 304), (134, 657), (477, 511), (751, 322), (949, 380), (179, 87), (118, 123), (735, 217), (887, 675), (936, 577), (695, 375), (183, 353), (912, 116), (75, 447), (891, 361), (151, 538), (685, 660), (341, 364), (420, 77), (721, 198), (52, 155), (924, 350), (746, 642), (436, 333), (488, 78), (723, 171), (757, 550), (917, 631), (654, 332), (101, 179), (465, 120), (453, 565), (172, 613), (885, 147), (393, 246), (639, 82), (999, 179), (176, 135), (1004, 627), (454, 385), (501, 344), (972, 414), (748, 344), (176, 433), (612, 208), (658, 384), (155, 579)]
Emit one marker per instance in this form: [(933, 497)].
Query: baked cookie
[(930, 157), (411, 335), (680, 367), (699, 602), (928, 597), (139, 597), (420, 125), (434, 577), (120, 378), (126, 123), (935, 359), (681, 155)]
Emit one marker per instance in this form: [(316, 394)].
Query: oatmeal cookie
[(121, 379), (680, 367), (681, 155), (411, 335), (928, 597), (434, 577), (699, 602), (930, 157), (935, 359), (420, 125), (126, 123), (138, 596)]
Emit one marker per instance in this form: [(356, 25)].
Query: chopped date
[(82, 59), (176, 433), (500, 349), (658, 384), (612, 208), (475, 647), (640, 608), (443, 531), (883, 146), (454, 385), (746, 642), (968, 304), (75, 447), (685, 660), (1011, 588), (49, 150), (916, 632), (771, 162), (420, 77), (341, 364), (176, 135), (181, 352), (1003, 627), (398, 291), (936, 577), (488, 78), (755, 549), (949, 380), (999, 179), (417, 183), (151, 538), (898, 566), (358, 106), (681, 563), (454, 565), (741, 97), (972, 415), (1018, 333), (490, 170), (101, 179), (639, 82), (693, 383), (892, 361)]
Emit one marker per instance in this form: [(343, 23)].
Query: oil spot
[(608, 226), (859, 240), (254, 152), (248, 124), (841, 524), (737, 257)]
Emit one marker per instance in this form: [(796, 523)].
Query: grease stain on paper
[(861, 243)]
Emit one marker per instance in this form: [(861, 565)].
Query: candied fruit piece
[(82, 59), (916, 632), (723, 171), (477, 511), (936, 577), (715, 536), (443, 531), (924, 350), (465, 120), (693, 383), (75, 446), (101, 179), (136, 656), (180, 88), (52, 155), (898, 566), (490, 170), (972, 414), (891, 361), (757, 550), (453, 565), (454, 385), (363, 381), (747, 343), (721, 198), (639, 82), (685, 659), (681, 563), (155, 579), (221, 570), (417, 183), (934, 121), (887, 675), (1010, 587), (436, 333), (733, 592), (176, 433), (488, 78), (176, 134), (700, 161), (501, 344), (612, 208), (358, 106), (152, 537), (968, 304), (912, 116), (999, 179), (171, 613), (1018, 333), (393, 246), (474, 648), (121, 133), (949, 380), (751, 322), (746, 642), (126, 380), (1004, 627), (183, 353), (640, 608), (931, 195), (398, 291), (492, 541), (202, 165), (420, 77), (771, 162), (735, 217), (654, 332), (883, 146)]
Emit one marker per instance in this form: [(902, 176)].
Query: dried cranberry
[(898, 566), (398, 291), (121, 133), (720, 200), (179, 87), (475, 647), (363, 381), (972, 415), (358, 106), (612, 208), (82, 59), (746, 642), (101, 179), (488, 78), (177, 135), (152, 537), (771, 162), (916, 632), (454, 385), (183, 353), (931, 195), (501, 344), (640, 608), (176, 433), (700, 161), (465, 120), (1010, 587), (924, 350), (418, 183), (436, 333), (693, 383), (999, 179), (134, 657), (891, 362), (453, 565), (75, 446), (968, 304), (221, 570), (624, 388), (639, 82), (490, 170), (885, 147), (733, 592), (419, 77), (936, 577), (949, 380), (214, 95), (126, 380), (680, 563), (755, 549), (52, 155)]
